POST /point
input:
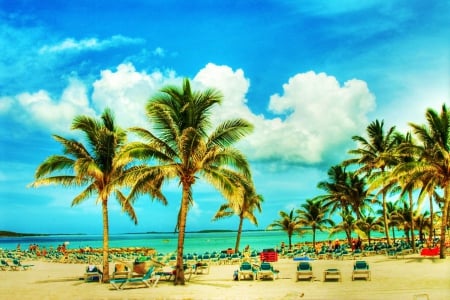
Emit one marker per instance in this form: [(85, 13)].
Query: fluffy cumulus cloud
[(315, 117), (41, 110), (126, 92), (320, 116)]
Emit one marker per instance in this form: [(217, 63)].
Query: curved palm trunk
[(238, 237), (348, 233), (444, 221), (105, 240), (386, 221), (179, 274), (413, 238)]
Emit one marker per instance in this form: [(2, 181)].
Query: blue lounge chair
[(17, 264), (246, 270), (304, 270), (266, 271), (361, 270), (5, 266)]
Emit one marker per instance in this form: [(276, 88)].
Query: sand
[(401, 278)]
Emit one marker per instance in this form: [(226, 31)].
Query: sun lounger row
[(14, 265), (360, 270)]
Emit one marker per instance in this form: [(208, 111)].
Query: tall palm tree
[(369, 223), (374, 155), (403, 219), (391, 209), (242, 206), (357, 194), (314, 214), (423, 223), (336, 198), (288, 222), (348, 225), (182, 146), (95, 165), (433, 165)]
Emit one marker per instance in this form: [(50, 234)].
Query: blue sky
[(308, 74)]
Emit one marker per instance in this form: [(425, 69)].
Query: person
[(358, 244), (282, 247)]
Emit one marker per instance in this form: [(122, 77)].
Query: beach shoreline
[(392, 278)]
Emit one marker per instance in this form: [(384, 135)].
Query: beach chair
[(10, 266), (304, 270), (361, 270), (120, 283), (121, 271), (17, 264), (266, 271), (332, 274), (4, 265), (202, 268), (246, 270), (93, 274)]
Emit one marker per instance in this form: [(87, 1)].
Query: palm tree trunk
[(238, 237), (413, 238), (105, 277), (314, 236), (444, 221), (386, 221), (431, 218), (290, 240), (179, 269)]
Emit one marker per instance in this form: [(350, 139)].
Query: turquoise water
[(167, 242)]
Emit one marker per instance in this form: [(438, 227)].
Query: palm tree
[(375, 154), (433, 165), (313, 214), (348, 225), (336, 198), (289, 222), (423, 223), (367, 224), (182, 147), (391, 209), (403, 219), (356, 193), (243, 207), (95, 165)]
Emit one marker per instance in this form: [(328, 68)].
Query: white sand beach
[(402, 278)]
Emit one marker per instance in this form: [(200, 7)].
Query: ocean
[(195, 242)]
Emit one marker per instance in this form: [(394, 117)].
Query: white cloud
[(316, 116), (40, 110), (126, 91), (70, 44)]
